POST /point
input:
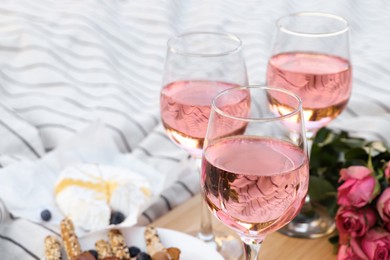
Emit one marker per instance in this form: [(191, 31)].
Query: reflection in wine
[(254, 185), (322, 81), (185, 111)]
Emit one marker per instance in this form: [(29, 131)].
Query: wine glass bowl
[(198, 66), (255, 180), (311, 58)]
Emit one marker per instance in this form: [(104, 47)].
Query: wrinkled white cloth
[(28, 187)]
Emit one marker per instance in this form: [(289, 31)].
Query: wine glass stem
[(251, 250), (307, 208), (206, 228)]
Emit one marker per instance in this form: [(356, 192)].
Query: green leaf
[(379, 174), (322, 135), (319, 188), (353, 142), (334, 239), (356, 153), (330, 203), (378, 146), (377, 188)]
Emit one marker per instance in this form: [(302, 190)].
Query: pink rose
[(353, 222), (352, 251), (358, 188), (387, 226), (383, 205), (376, 244), (387, 172)]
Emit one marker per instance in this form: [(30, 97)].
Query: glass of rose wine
[(198, 66), (255, 166), (310, 57)]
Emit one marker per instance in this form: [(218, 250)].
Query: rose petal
[(355, 172), (360, 194), (383, 205), (374, 242), (357, 249)]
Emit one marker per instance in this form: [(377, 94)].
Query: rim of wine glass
[(298, 108), (316, 14), (227, 35)]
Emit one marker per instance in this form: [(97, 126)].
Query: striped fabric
[(66, 64)]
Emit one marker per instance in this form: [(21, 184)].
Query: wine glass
[(255, 166), (311, 58), (198, 66)]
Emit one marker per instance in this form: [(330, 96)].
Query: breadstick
[(156, 249), (103, 249), (153, 243), (118, 244), (52, 248), (71, 242)]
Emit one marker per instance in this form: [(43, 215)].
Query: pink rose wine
[(254, 185), (185, 110), (323, 82)]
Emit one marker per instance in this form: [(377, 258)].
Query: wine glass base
[(317, 225), (227, 245)]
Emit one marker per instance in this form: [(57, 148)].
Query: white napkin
[(27, 187)]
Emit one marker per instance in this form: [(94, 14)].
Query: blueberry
[(116, 217), (134, 251), (144, 256), (94, 253), (46, 215)]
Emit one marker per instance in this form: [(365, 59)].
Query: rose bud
[(359, 186), (383, 205), (387, 172), (353, 222), (376, 244), (352, 251)]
